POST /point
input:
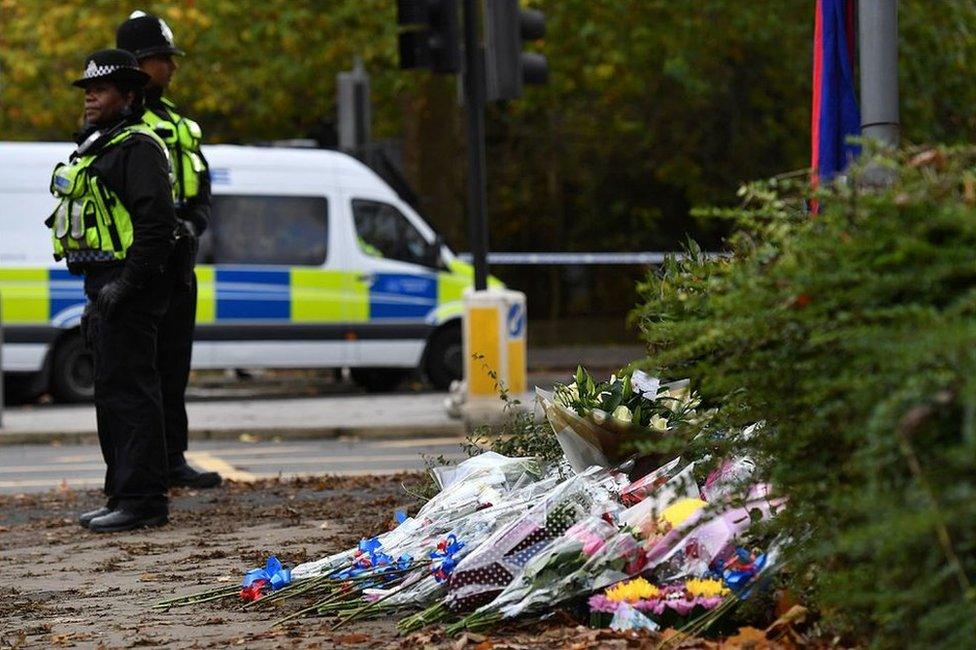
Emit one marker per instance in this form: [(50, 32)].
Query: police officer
[(150, 40), (115, 224)]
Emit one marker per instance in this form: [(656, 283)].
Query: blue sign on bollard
[(516, 320)]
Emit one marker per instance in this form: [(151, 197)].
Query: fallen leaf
[(357, 637), (795, 616), (748, 638), (784, 629)]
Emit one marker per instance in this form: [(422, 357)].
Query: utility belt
[(184, 255)]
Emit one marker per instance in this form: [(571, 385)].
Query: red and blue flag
[(835, 111)]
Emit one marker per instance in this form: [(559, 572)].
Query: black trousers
[(128, 393), (175, 348)]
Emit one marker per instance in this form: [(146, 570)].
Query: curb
[(458, 429)]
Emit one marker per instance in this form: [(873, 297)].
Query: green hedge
[(852, 335)]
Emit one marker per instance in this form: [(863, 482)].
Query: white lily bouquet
[(595, 420)]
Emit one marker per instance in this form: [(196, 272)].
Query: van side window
[(244, 229), (384, 231)]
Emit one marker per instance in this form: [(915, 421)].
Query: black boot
[(185, 476), (86, 518), (122, 519)]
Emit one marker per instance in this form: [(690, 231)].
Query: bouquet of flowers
[(482, 575), (475, 484), (591, 555), (494, 563), (466, 536), (709, 535), (681, 597), (665, 604), (594, 420)]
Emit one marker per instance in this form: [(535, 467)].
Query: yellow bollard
[(495, 324)]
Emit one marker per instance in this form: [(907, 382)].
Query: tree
[(653, 106)]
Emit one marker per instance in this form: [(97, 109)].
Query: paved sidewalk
[(307, 417)]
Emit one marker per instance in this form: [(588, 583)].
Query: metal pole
[(878, 56), (353, 107), (474, 99)]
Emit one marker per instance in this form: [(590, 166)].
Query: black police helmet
[(145, 35), (117, 66)]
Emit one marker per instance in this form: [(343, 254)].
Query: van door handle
[(366, 277)]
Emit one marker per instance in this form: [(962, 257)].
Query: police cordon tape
[(542, 259)]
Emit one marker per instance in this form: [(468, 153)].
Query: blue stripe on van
[(395, 295), (219, 176), (253, 295), (65, 291)]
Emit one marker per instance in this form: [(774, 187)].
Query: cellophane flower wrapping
[(472, 531), (643, 487), (478, 483), (597, 553), (590, 556), (480, 576), (709, 536)]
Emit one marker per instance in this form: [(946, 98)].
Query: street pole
[(353, 106), (474, 99), (878, 56)]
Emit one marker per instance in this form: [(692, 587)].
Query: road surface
[(40, 468)]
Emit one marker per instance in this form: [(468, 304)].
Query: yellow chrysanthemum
[(679, 512), (706, 587), (632, 591)]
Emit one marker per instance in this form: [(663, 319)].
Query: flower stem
[(198, 597), (436, 612)]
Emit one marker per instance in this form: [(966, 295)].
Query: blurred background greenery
[(653, 106)]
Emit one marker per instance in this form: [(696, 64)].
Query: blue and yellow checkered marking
[(395, 295), (302, 295), (253, 295), (66, 291)]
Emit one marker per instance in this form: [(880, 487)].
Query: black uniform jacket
[(137, 170)]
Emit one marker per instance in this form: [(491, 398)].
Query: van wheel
[(378, 380), (73, 372), (444, 357)]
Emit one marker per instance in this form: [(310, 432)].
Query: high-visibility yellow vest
[(90, 223), (182, 137)]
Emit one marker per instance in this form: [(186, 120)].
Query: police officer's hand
[(112, 295)]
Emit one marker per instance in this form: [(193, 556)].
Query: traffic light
[(507, 28), (429, 35)]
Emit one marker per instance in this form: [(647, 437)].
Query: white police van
[(311, 261)]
